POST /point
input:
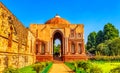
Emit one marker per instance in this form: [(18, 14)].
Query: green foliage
[(71, 65), (106, 58), (99, 37), (110, 32), (91, 44), (83, 67), (115, 46), (47, 68), (42, 67), (96, 69), (83, 64), (27, 69), (38, 67), (106, 42), (109, 47), (94, 66), (115, 70), (103, 49), (11, 70), (56, 48)]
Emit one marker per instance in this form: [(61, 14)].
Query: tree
[(110, 32), (57, 48), (99, 37), (103, 49), (91, 44), (115, 46), (106, 42)]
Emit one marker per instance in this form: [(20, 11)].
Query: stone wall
[(14, 46)]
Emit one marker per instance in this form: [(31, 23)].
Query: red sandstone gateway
[(70, 35)]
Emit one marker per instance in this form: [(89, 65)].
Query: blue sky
[(94, 14)]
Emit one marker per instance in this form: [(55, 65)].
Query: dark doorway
[(57, 46)]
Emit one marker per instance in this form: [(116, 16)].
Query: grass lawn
[(106, 66), (97, 66), (29, 69)]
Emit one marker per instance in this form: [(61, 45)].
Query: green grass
[(70, 65), (29, 69), (45, 70), (106, 66)]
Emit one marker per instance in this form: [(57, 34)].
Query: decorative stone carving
[(10, 21), (16, 54), (14, 61), (6, 61)]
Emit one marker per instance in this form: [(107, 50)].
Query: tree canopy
[(91, 41), (104, 42), (110, 32)]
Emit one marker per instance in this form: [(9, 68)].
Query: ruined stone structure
[(16, 41), (21, 46), (70, 35)]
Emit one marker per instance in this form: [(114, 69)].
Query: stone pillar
[(52, 46), (69, 44), (66, 45), (63, 46), (83, 48), (46, 48)]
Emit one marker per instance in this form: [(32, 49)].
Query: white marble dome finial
[(57, 16)]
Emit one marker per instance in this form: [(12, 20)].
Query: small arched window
[(72, 48), (43, 48), (72, 33), (79, 48), (79, 35)]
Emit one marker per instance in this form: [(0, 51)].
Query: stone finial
[(57, 16)]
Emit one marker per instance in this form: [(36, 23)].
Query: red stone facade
[(70, 35)]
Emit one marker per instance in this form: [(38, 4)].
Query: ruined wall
[(13, 41)]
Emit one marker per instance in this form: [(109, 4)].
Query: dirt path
[(60, 68)]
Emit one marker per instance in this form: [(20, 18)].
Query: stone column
[(52, 46), (69, 44), (66, 45), (49, 47), (83, 48), (63, 46), (46, 48)]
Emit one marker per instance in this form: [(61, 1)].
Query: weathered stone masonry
[(21, 46), (15, 49)]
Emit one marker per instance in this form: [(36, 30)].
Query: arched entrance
[(58, 49)]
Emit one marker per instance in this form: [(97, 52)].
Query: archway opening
[(57, 46)]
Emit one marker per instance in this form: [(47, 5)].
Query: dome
[(57, 20)]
